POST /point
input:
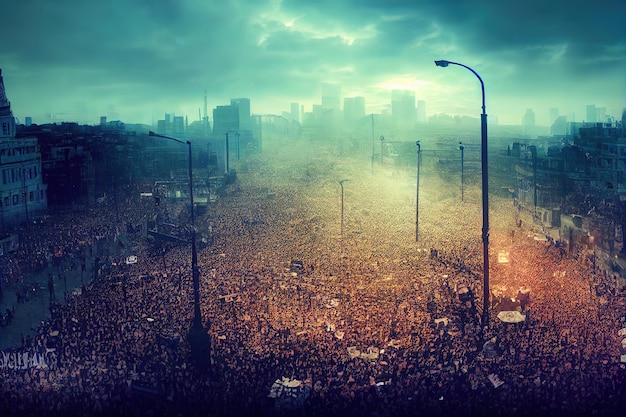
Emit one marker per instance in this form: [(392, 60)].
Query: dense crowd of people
[(370, 317)]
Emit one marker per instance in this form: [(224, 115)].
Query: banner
[(27, 359), (229, 298), (495, 380), (371, 354), (289, 393)]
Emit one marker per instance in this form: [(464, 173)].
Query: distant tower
[(403, 109), (353, 109), (559, 126), (205, 118), (295, 111), (554, 114), (178, 126), (331, 96), (225, 119), (241, 107), (6, 115), (421, 112), (592, 115), (601, 114), (528, 122)]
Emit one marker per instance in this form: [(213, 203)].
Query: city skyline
[(133, 62)]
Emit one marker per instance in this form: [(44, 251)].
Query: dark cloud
[(141, 56)]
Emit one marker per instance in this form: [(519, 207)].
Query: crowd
[(371, 320)]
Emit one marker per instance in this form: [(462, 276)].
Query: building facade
[(22, 191)]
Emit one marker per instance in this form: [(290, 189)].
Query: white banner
[(495, 380), (27, 359)]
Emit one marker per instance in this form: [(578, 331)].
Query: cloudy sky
[(135, 60)]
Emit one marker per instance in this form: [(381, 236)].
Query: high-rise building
[(554, 114), (559, 126), (241, 107), (235, 117), (295, 111), (529, 118), (178, 126), (22, 192), (403, 110), (528, 122), (225, 119), (592, 115), (331, 96), (353, 108), (601, 114), (421, 112), (330, 118)]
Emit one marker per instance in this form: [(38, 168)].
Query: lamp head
[(150, 133), (442, 63)]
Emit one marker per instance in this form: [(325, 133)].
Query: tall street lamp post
[(382, 140), (417, 191), (462, 148), (485, 190), (199, 339), (373, 151), (226, 155), (237, 134), (533, 152), (341, 184)]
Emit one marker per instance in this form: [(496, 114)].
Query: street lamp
[(382, 139), (533, 152), (198, 337), (237, 134), (417, 190), (462, 148), (226, 155), (373, 151), (485, 190), (341, 184)]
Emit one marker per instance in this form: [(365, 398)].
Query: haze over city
[(135, 60)]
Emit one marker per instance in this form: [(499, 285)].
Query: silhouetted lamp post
[(417, 191), (485, 190), (462, 148), (373, 151), (237, 134), (341, 184), (382, 140), (198, 338), (226, 155), (533, 152)]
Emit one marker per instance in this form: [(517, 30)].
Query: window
[(31, 196), (16, 200)]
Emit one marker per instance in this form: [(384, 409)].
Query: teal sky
[(135, 60)]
